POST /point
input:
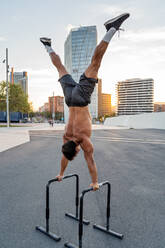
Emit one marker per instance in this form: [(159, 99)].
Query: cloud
[(117, 9), (145, 45), (110, 9), (17, 18), (41, 73), (146, 35), (69, 27), (106, 9), (2, 38), (41, 84)]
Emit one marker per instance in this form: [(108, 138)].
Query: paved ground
[(132, 160)]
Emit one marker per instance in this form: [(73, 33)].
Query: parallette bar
[(45, 230), (80, 233)]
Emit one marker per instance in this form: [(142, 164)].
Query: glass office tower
[(78, 50)]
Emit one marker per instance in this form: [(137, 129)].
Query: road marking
[(121, 140), (133, 141), (45, 136)]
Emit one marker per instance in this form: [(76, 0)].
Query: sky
[(139, 51)]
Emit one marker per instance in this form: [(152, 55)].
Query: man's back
[(79, 124)]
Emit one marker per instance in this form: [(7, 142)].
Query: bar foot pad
[(103, 229), (49, 234), (70, 245), (86, 222)]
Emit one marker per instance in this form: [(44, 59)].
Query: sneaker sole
[(45, 40), (116, 18)]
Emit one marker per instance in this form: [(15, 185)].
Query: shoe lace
[(120, 29)]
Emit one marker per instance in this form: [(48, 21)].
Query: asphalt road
[(132, 160)]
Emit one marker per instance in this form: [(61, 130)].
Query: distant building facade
[(135, 96), (106, 104), (19, 78), (56, 104), (44, 108), (78, 50), (104, 101), (159, 107)]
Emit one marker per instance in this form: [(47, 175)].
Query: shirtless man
[(77, 97)]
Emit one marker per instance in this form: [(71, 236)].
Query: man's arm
[(64, 163), (87, 147)]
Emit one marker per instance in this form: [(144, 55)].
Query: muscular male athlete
[(77, 97)]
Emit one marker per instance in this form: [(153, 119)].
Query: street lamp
[(7, 88), (53, 111)]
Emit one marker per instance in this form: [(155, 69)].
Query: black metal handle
[(65, 177), (91, 189)]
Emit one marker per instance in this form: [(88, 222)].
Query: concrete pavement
[(132, 160), (14, 136)]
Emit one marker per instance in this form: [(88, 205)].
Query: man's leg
[(111, 26), (92, 70), (58, 64), (54, 57)]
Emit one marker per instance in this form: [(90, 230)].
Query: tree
[(18, 101), (58, 115), (3, 96)]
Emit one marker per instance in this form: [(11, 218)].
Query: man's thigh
[(91, 72), (62, 71), (67, 84)]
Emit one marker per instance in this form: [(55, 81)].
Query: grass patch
[(13, 126)]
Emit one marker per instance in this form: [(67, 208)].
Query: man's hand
[(59, 177), (95, 186)]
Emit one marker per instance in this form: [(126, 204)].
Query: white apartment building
[(135, 96)]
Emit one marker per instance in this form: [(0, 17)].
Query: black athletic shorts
[(77, 94)]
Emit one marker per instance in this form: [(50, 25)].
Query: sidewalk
[(15, 136)]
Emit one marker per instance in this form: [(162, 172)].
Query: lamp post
[(53, 112), (7, 90)]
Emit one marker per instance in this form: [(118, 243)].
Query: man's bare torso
[(79, 125)]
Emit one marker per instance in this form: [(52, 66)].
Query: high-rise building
[(19, 78), (99, 97), (106, 104), (78, 50), (104, 101), (135, 96)]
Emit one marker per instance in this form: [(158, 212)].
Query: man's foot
[(116, 22), (46, 41)]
